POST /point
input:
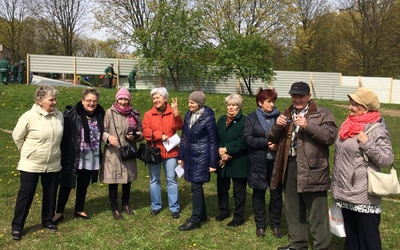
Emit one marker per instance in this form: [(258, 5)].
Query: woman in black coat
[(261, 161), (198, 154), (80, 151)]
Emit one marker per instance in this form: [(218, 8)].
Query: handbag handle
[(366, 132)]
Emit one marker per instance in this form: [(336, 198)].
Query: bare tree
[(370, 31), (64, 21), (12, 14)]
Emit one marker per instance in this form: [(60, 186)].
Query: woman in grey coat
[(121, 126), (361, 211)]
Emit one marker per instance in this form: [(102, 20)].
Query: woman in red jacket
[(159, 124)]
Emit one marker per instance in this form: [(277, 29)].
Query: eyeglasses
[(91, 101)]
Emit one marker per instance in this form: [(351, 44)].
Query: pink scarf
[(129, 112), (354, 124)]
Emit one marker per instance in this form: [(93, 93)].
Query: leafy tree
[(246, 56)]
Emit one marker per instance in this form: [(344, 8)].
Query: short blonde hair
[(43, 91), (234, 99)]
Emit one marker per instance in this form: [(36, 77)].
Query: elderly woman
[(198, 154), (233, 160), (80, 151), (261, 162), (159, 124), (361, 211), (122, 126), (38, 136)]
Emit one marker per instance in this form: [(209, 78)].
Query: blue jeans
[(172, 184)]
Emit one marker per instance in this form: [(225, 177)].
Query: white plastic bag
[(336, 222)]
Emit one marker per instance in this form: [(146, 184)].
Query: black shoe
[(127, 209), (221, 217), (59, 220), (78, 215), (16, 235), (234, 223), (189, 226), (260, 233), (277, 232), (117, 215), (51, 228), (155, 212), (289, 247), (176, 215)]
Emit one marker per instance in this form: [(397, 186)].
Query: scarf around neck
[(264, 116), (354, 124), (129, 112)]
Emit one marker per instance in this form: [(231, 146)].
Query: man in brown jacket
[(304, 133)]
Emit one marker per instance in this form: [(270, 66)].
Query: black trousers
[(113, 195), (275, 208), (110, 82), (239, 196), (362, 230), (82, 183), (26, 193), (198, 202)]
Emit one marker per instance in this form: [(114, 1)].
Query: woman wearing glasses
[(80, 151)]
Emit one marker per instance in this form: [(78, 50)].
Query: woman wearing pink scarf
[(122, 126), (361, 211)]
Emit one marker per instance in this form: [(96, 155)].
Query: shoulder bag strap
[(112, 114), (366, 132)]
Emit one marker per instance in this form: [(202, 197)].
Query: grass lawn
[(143, 231)]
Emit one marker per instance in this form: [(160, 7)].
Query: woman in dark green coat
[(233, 160)]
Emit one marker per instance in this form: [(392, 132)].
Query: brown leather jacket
[(312, 150)]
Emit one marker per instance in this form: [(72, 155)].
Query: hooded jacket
[(38, 135)]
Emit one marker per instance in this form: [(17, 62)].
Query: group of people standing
[(284, 152), (12, 74)]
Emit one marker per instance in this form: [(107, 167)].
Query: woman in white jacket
[(38, 135)]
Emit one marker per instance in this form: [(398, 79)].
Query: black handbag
[(128, 152), (149, 153)]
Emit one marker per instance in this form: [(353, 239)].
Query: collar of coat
[(312, 109)]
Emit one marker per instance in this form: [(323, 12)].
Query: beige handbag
[(381, 184)]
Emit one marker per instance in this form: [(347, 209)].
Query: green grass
[(143, 231)]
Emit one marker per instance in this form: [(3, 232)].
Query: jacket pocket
[(318, 176)]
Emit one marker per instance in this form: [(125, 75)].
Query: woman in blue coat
[(198, 154)]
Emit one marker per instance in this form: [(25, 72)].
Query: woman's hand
[(113, 140), (272, 146), (180, 162), (174, 106), (362, 137), (212, 169)]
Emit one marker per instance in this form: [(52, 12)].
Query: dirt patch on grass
[(383, 111)]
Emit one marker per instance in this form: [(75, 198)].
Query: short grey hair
[(234, 99), (162, 91), (43, 91), (90, 90)]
